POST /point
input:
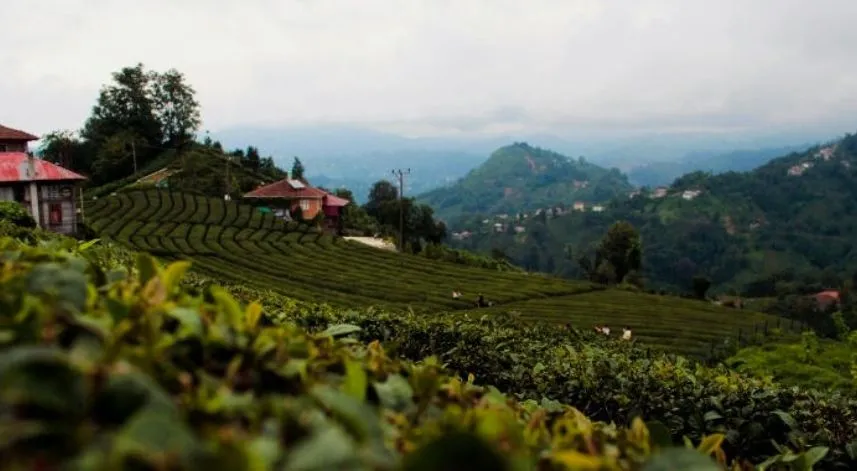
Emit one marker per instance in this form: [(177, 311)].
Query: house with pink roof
[(46, 190)]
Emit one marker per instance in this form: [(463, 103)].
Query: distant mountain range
[(521, 177), (663, 173), (790, 222), (356, 157)]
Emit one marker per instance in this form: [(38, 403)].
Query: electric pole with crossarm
[(400, 174)]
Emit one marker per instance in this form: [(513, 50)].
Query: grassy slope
[(234, 242)]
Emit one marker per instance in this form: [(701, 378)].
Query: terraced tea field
[(675, 324), (235, 242)]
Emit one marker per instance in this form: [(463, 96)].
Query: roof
[(286, 188), (15, 168), (828, 294), (9, 134), (333, 200)]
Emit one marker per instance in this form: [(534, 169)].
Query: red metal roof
[(15, 168), (9, 134), (333, 200), (286, 188)]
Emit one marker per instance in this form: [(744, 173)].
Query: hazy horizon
[(479, 68)]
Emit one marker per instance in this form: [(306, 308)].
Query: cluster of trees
[(144, 120), (386, 214), (137, 116)]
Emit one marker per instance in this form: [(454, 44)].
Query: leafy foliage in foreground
[(609, 381), (106, 368)]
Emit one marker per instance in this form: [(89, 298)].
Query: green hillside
[(521, 177), (234, 242), (788, 225)]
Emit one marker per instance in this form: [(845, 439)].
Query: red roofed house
[(296, 195), (828, 298), (46, 190)]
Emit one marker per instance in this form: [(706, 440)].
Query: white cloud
[(537, 65)]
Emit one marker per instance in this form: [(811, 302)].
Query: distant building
[(827, 299), (690, 194), (597, 208), (579, 206), (46, 190), (659, 192), (292, 196), (520, 229), (825, 153)]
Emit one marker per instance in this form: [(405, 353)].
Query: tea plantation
[(107, 363), (234, 242)]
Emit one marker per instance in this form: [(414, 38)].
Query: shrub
[(16, 214)]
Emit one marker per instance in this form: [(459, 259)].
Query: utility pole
[(228, 181), (400, 174), (134, 154)]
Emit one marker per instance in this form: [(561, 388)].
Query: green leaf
[(43, 380), (86, 245), (659, 434), (787, 419), (174, 273), (341, 330), (395, 393), (152, 432), (189, 320), (66, 285), (329, 449), (680, 459), (147, 266), (456, 451), (813, 455), (712, 415), (356, 380), (228, 306), (357, 417)]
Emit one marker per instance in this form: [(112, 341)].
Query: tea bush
[(16, 214), (104, 365), (607, 380)]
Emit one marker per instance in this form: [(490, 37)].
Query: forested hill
[(789, 223), (521, 177)]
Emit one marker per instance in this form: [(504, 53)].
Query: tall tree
[(621, 247), (381, 192), (66, 149), (124, 105), (297, 169), (252, 158), (175, 106)]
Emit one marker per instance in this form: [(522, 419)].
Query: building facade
[(46, 190), (291, 197)]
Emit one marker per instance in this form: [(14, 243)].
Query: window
[(55, 214), (304, 205), (51, 192), (4, 148)]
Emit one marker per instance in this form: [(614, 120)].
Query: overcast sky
[(429, 66)]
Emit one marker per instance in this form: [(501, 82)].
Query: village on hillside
[(504, 222)]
